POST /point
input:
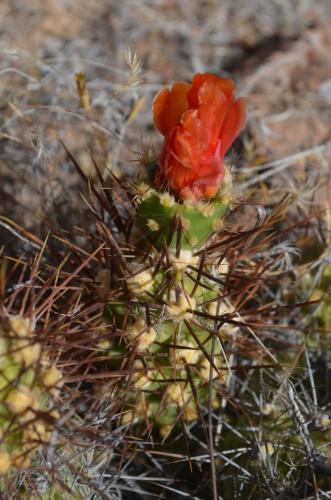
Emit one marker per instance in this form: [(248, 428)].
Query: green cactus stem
[(198, 220)]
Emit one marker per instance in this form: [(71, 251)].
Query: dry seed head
[(140, 283), (20, 400), (144, 335), (181, 310), (5, 462), (135, 66)]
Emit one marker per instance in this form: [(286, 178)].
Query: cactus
[(171, 292), (171, 304), (166, 306), (27, 384)]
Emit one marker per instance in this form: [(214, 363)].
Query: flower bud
[(199, 122)]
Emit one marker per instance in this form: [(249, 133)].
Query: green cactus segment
[(26, 385), (157, 213), (168, 361), (168, 353)]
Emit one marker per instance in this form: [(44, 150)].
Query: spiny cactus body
[(167, 306), (27, 382)]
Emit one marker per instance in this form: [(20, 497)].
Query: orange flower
[(199, 122)]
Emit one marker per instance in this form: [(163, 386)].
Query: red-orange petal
[(233, 124), (224, 84), (168, 106), (199, 122), (213, 108), (159, 104)]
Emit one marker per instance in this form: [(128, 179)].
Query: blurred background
[(277, 51)]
